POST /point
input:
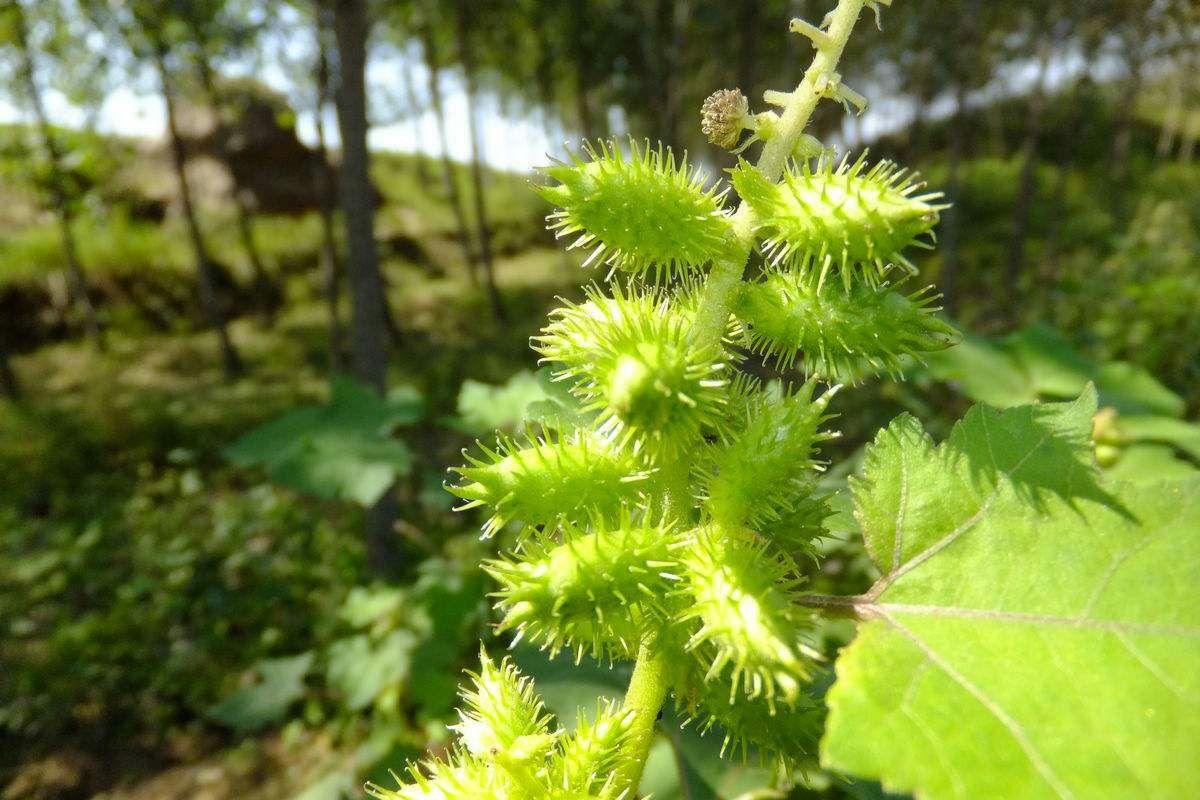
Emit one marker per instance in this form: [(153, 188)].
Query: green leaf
[(451, 594), (361, 669), (984, 372), (1051, 362), (706, 774), (369, 606), (335, 785), (1039, 362), (559, 410), (1176, 432), (1149, 463), (280, 683), (340, 450), (483, 408), (1132, 390), (1029, 637)]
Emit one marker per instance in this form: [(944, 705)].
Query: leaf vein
[(1121, 626), (949, 538), (1154, 669), (901, 510), (1011, 725)]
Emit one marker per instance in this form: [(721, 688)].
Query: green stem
[(648, 686), (713, 313), (644, 698)]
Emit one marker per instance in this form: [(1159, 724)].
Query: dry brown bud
[(723, 116)]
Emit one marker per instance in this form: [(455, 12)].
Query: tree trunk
[(368, 333), (665, 53), (9, 385), (206, 281), (1188, 145), (62, 206), (962, 41), (749, 21), (1173, 120), (948, 278), (1026, 183), (323, 183), (467, 57), (450, 181), (581, 33), (1058, 202), (1122, 141), (414, 106), (264, 288), (368, 329)]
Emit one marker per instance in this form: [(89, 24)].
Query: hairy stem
[(648, 686), (713, 313), (644, 698), (854, 606)]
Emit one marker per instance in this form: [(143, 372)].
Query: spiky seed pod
[(631, 359), (781, 735), (764, 466), (639, 211), (838, 334), (549, 479), (463, 777), (723, 116), (506, 749), (844, 216), (500, 708), (740, 593), (592, 593), (797, 530), (589, 755)]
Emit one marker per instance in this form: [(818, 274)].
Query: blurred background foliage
[(227, 565)]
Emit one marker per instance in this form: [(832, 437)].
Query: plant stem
[(644, 698), (648, 686), (713, 312)]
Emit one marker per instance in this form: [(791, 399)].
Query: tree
[(310, 72), (413, 102), (466, 50), (155, 33), (368, 323), (1049, 26), (429, 49), (323, 180), (9, 385), (243, 215), (967, 69), (16, 25)]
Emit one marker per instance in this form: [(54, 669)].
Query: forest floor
[(152, 396)]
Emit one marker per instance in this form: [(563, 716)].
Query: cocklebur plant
[(669, 529), (666, 522)]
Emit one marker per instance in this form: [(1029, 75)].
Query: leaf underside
[(1034, 634)]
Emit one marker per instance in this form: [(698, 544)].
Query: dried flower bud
[(723, 116)]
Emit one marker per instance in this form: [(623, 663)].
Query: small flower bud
[(723, 116)]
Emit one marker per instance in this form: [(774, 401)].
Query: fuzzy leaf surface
[(1033, 635)]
